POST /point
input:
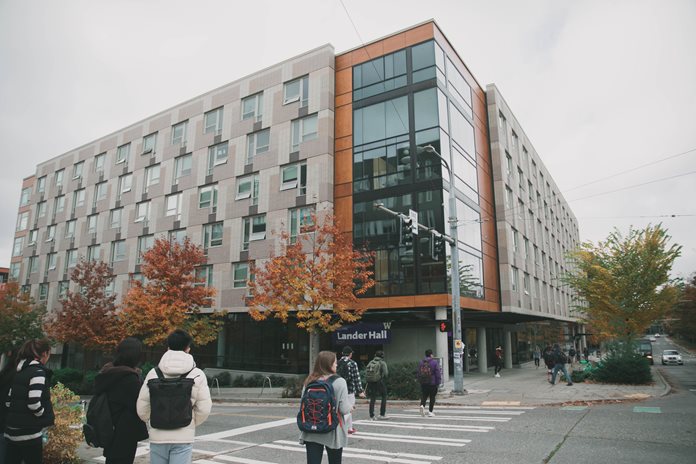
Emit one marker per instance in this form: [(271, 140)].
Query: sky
[(605, 91)]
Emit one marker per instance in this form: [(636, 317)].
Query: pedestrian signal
[(444, 326)]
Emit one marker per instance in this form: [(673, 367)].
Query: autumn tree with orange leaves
[(171, 296), (88, 316), (317, 280), (20, 318)]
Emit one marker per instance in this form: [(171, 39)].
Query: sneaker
[(569, 384), (422, 409), (373, 418), (352, 431), (431, 414), (497, 375), (382, 418)]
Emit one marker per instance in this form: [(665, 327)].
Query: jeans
[(428, 391), (560, 367), (498, 367), (375, 389), (29, 451), (348, 418), (175, 453), (316, 450)]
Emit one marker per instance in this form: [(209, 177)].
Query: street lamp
[(457, 345)]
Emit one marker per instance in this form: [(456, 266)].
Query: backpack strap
[(159, 373), (183, 376)]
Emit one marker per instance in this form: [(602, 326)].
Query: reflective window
[(217, 154), (118, 251), (213, 121), (182, 166), (212, 235), (303, 130), (207, 196), (252, 107), (240, 275), (173, 204), (379, 75), (149, 143), (380, 121), (297, 90), (257, 143), (294, 176), (122, 153), (144, 244), (179, 133)]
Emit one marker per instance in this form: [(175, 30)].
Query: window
[(92, 222), (213, 121), (99, 162), (142, 211), (296, 90), (17, 246), (379, 75), (254, 228), (58, 178), (33, 235), (33, 264), (173, 204), (303, 130), (14, 271), (212, 235), (508, 164), (240, 273), (50, 233), (526, 283), (118, 251), (508, 198), (294, 176), (513, 142), (514, 277), (152, 176), (22, 221), (41, 209), (217, 154), (204, 276), (207, 197), (125, 183), (77, 169), (43, 292), (70, 228), (502, 127), (248, 187), (78, 199), (182, 166), (144, 244), (526, 248), (177, 236), (26, 196), (58, 205), (149, 142), (179, 133), (70, 259), (122, 153), (257, 143), (94, 253), (515, 241), (252, 107), (115, 220), (300, 221), (51, 260), (41, 185), (99, 192), (63, 287)]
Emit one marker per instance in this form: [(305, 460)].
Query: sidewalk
[(519, 386)]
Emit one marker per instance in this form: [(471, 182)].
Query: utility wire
[(634, 186)]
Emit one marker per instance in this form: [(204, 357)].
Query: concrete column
[(221, 342), (507, 348), (441, 348), (481, 349)]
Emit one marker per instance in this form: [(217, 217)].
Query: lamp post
[(457, 345)]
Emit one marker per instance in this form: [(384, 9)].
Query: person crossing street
[(348, 369)]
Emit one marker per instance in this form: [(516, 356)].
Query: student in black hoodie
[(122, 381), (29, 409)]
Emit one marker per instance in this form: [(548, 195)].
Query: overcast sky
[(599, 87)]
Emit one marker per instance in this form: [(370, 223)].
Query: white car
[(671, 357), (653, 339), (657, 335)]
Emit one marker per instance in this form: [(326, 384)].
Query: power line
[(634, 186)]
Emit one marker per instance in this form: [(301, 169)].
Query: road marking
[(370, 451), (232, 459), (573, 408), (506, 408), (350, 454), (247, 429), (454, 418), (500, 403), (491, 412), (366, 436), (429, 426), (648, 409), (414, 437)]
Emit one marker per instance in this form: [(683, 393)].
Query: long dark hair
[(33, 349), (323, 365), (128, 352)]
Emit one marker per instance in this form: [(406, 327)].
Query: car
[(657, 335), (653, 339), (672, 357)]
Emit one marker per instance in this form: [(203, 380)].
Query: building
[(315, 132)]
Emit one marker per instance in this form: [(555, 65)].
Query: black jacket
[(122, 385), (20, 417)]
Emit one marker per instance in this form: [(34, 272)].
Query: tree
[(88, 316), (317, 280), (625, 281), (682, 318), (171, 296), (20, 318)]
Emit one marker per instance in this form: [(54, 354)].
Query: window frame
[(213, 235), (78, 169), (254, 181), (177, 210), (99, 162), (146, 142), (302, 94), (214, 155), (70, 227), (212, 202), (215, 128), (140, 214), (253, 147), (257, 113), (179, 170), (179, 140), (123, 153), (150, 179), (22, 221), (297, 130), (299, 181), (237, 282), (25, 196), (114, 248)]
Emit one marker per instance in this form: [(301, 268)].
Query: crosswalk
[(405, 438)]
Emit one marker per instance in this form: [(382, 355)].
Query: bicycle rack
[(263, 386)]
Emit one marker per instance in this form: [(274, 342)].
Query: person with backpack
[(498, 360), (547, 355), (29, 408), (120, 382), (429, 377), (172, 419), (375, 373), (560, 360), (537, 355), (323, 427), (348, 369)]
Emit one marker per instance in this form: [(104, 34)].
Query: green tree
[(682, 318), (20, 318), (624, 281)]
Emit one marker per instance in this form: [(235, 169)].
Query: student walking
[(498, 360), (548, 361), (175, 445), (375, 374), (6, 377), (537, 356), (560, 365), (29, 409), (348, 369), (121, 381), (429, 376), (334, 441)]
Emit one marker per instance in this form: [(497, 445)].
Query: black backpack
[(342, 369), (425, 373), (559, 357), (318, 409), (170, 401), (99, 429)]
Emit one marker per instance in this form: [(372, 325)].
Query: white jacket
[(173, 364)]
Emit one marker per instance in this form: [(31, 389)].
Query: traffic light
[(444, 326), (438, 247), (406, 233)]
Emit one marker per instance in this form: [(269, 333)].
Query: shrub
[(63, 439), (278, 380), (69, 377), (224, 379), (401, 382), (255, 380), (238, 381), (147, 367), (293, 387), (623, 366)]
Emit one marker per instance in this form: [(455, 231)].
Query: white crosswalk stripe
[(454, 418), (353, 453), (426, 426)]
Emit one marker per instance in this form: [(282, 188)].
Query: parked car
[(657, 335), (653, 339), (672, 357)]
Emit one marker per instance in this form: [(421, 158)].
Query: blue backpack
[(318, 408)]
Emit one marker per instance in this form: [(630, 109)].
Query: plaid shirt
[(353, 380)]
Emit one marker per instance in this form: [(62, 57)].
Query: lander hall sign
[(363, 333)]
